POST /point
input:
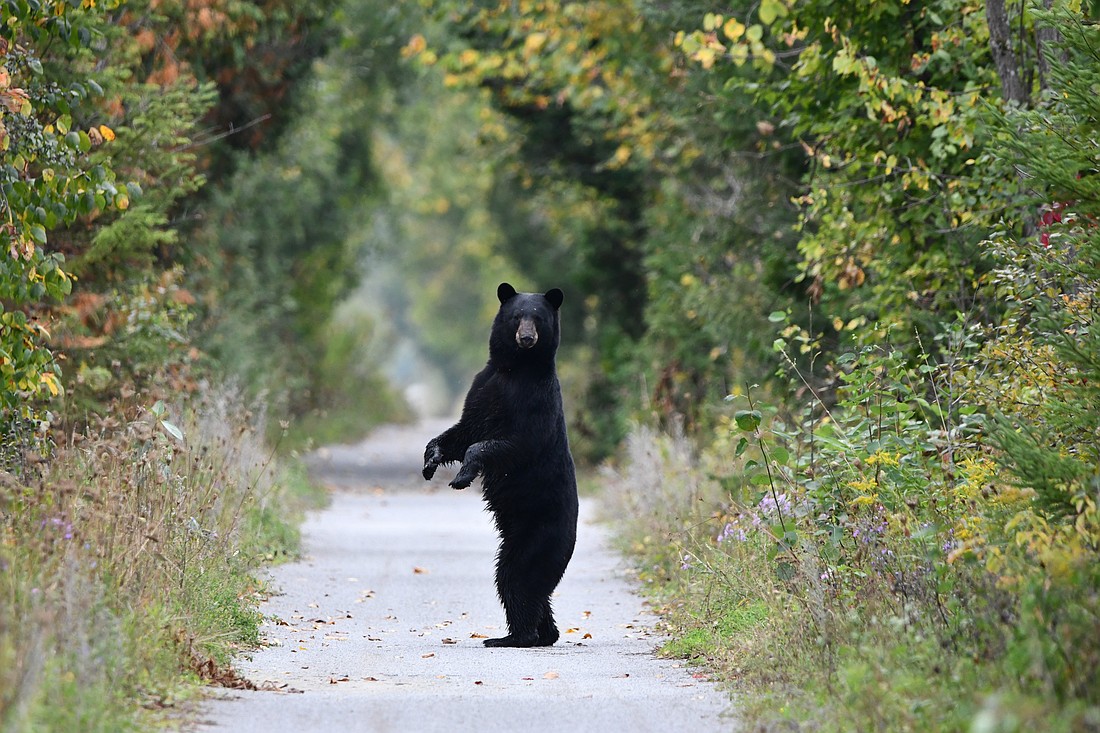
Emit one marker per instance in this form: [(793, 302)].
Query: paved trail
[(379, 628)]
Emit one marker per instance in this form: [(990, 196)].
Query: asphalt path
[(379, 627)]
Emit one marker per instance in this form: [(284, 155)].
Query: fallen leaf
[(587, 614), (476, 635), (621, 676), (527, 678), (370, 679), (571, 631), (550, 676), (587, 636), (334, 680), (449, 640), (478, 682), (429, 655), (419, 571)]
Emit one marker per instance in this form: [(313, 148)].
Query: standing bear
[(512, 434)]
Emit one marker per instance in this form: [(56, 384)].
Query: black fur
[(512, 434)]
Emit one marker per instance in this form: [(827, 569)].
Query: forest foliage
[(829, 266)]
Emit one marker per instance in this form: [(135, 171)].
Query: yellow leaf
[(621, 156), (414, 47), (533, 44), (733, 29), (50, 380), (107, 133), (705, 56)]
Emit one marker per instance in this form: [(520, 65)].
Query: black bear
[(512, 433)]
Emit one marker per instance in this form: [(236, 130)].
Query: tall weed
[(125, 564)]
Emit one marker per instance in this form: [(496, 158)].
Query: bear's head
[(527, 327)]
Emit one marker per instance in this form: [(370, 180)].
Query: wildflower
[(775, 504), (60, 525), (732, 529), (685, 563)]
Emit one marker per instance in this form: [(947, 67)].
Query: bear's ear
[(505, 292), (556, 297)]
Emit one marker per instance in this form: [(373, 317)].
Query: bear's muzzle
[(527, 335)]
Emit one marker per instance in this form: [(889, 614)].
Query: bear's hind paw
[(513, 640)]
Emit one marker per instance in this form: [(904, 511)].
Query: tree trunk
[(1045, 36), (1004, 57)]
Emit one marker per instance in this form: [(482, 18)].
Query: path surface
[(379, 628)]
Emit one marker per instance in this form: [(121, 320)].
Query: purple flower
[(59, 524), (732, 529)]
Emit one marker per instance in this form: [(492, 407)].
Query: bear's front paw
[(433, 456), (465, 477)]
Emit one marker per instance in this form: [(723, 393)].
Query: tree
[(50, 179)]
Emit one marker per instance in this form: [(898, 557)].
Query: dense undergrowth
[(853, 572), (924, 554)]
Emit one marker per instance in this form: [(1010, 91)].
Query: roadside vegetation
[(158, 367), (830, 274)]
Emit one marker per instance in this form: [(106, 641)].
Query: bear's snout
[(527, 335)]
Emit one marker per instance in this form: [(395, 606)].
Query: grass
[(126, 565), (708, 636)]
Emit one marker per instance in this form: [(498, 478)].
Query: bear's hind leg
[(548, 631), (520, 597), (522, 618), (530, 563)]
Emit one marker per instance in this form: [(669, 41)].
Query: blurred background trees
[(322, 198)]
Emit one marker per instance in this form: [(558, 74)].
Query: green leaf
[(747, 420), (770, 10), (761, 479), (172, 430), (38, 233)]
